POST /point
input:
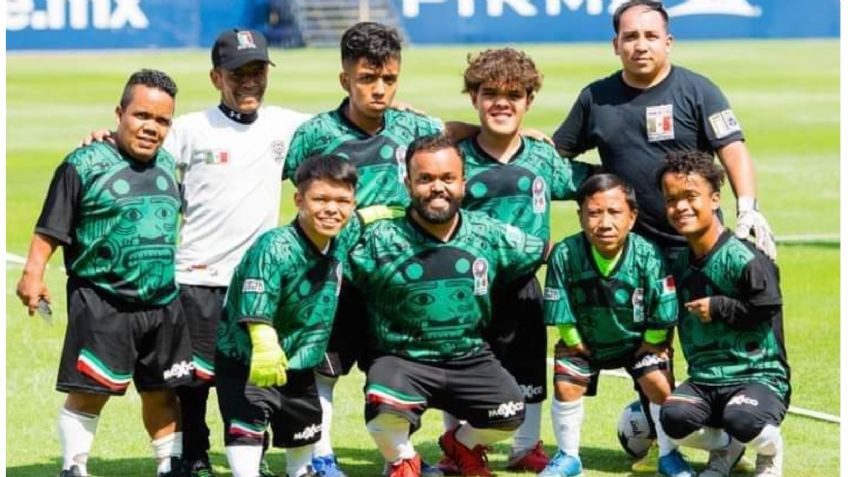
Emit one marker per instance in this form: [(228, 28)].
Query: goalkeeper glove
[(268, 363), (749, 221)]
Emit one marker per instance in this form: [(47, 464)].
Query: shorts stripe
[(202, 368), (377, 394), (89, 365), (244, 429), (564, 367), (684, 399)]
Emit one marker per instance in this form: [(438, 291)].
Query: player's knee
[(676, 420), (742, 424), (567, 391)]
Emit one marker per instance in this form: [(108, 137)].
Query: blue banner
[(496, 21)]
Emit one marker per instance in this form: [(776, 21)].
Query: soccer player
[(731, 328), (513, 179), (427, 280), (114, 208), (608, 291), (230, 158), (374, 138), (277, 322)]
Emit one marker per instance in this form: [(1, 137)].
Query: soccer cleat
[(723, 460), (327, 466), (470, 462), (309, 473), (533, 460), (265, 469), (447, 466), (74, 471), (770, 465), (200, 468), (406, 468), (649, 462), (428, 470), (744, 466), (178, 468), (563, 465), (674, 465)]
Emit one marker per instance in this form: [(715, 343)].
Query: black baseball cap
[(235, 48)]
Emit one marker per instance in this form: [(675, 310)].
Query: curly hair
[(375, 42), (504, 66), (692, 162)]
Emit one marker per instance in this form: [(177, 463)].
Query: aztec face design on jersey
[(129, 228)]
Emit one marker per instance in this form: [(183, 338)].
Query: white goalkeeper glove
[(750, 222)]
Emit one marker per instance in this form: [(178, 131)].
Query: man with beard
[(426, 280)]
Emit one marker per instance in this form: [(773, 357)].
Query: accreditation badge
[(659, 121)]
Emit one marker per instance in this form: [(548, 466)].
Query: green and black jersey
[(284, 281), (743, 341), (380, 159), (117, 219), (519, 192), (611, 313), (429, 300)]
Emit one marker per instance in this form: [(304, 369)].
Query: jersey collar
[(241, 118), (415, 225), (340, 111), (486, 156), (624, 251), (312, 247), (700, 262)]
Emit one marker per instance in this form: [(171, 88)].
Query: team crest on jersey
[(724, 123), (400, 157), (245, 40), (211, 156), (638, 302), (278, 149), (539, 200), (480, 269), (659, 121)]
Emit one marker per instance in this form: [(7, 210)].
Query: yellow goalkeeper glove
[(268, 363)]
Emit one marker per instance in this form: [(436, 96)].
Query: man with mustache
[(426, 279)]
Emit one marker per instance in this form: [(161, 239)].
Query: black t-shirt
[(634, 129)]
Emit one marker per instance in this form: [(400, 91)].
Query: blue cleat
[(674, 465), (327, 466), (428, 470), (563, 465)]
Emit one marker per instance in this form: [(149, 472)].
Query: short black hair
[(150, 78), (692, 162), (432, 143), (375, 42), (604, 182), (651, 4), (328, 168)]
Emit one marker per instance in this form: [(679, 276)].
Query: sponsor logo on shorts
[(742, 400), (507, 409), (530, 391), (251, 285), (552, 294), (308, 433), (724, 123), (649, 360), (178, 370)]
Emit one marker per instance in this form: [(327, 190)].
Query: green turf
[(790, 116)]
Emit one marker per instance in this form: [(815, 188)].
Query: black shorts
[(293, 411), (518, 336), (110, 342), (203, 308), (584, 372), (349, 337), (476, 389), (740, 409)]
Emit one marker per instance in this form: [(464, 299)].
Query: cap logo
[(245, 40)]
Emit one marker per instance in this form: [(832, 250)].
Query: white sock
[(325, 385), (768, 441), (471, 437), (450, 421), (166, 447), (391, 434), (664, 442), (298, 460), (567, 418), (76, 433), (706, 438), (244, 460), (528, 434)]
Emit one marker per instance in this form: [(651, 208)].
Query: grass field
[(791, 120)]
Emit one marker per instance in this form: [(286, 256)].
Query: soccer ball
[(634, 431)]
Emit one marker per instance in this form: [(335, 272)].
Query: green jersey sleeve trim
[(570, 335)]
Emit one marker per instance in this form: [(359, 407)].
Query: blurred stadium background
[(776, 60)]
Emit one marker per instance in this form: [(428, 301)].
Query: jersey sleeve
[(429, 125), (518, 254), (58, 215), (257, 285), (572, 135), (567, 176), (719, 121), (177, 145), (557, 303), (760, 300), (661, 294), (301, 148)]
